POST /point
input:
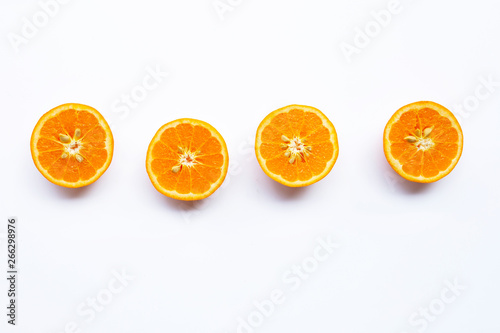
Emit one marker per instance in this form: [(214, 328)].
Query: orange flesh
[(296, 123), (415, 160), (304, 129), (199, 154), (91, 145)]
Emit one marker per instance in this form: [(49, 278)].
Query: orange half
[(187, 159), (296, 145), (423, 142), (72, 145)]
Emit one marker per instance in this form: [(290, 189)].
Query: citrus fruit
[(72, 145), (296, 145), (423, 142), (187, 159)]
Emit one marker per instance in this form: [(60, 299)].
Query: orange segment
[(187, 159), (296, 145), (72, 145), (423, 142)]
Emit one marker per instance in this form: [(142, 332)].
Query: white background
[(198, 267)]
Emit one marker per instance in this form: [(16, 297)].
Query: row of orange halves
[(187, 159)]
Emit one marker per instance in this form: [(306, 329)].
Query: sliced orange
[(187, 159), (72, 145), (423, 142), (296, 145)]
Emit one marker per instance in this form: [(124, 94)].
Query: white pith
[(294, 148)]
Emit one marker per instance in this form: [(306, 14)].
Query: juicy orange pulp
[(187, 159), (72, 145), (423, 142), (296, 145)]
